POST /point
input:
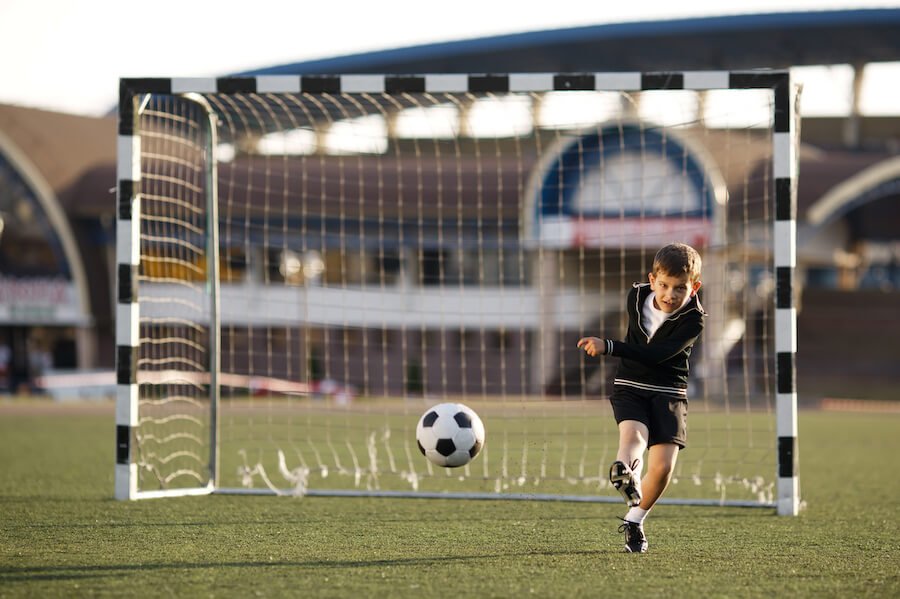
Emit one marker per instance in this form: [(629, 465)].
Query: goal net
[(306, 264)]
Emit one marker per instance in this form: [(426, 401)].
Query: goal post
[(306, 263)]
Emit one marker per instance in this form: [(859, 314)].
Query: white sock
[(636, 515)]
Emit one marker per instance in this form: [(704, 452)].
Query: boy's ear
[(650, 277), (696, 287)]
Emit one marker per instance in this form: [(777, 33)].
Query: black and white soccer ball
[(450, 434)]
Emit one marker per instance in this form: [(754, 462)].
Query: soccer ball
[(450, 434)]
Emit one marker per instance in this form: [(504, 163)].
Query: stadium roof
[(774, 40), (60, 146)]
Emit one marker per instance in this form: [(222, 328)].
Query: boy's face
[(672, 291)]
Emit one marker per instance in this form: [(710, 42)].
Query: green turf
[(62, 535)]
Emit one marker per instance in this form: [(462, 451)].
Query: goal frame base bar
[(161, 493), (486, 496)]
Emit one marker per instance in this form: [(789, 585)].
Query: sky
[(68, 55)]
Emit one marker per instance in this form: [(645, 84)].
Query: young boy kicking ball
[(649, 397)]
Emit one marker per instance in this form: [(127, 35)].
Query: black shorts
[(664, 415)]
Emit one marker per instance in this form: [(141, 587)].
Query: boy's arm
[(656, 352)]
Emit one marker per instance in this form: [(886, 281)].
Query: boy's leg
[(633, 438), (660, 465), (625, 472), (668, 420)]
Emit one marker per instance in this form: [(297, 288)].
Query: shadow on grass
[(62, 573)]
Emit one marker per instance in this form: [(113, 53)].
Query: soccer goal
[(307, 263)]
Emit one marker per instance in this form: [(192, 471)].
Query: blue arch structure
[(58, 235), (60, 267), (554, 211), (881, 180), (586, 152)]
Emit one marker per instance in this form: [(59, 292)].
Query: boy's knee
[(632, 434), (662, 460), (663, 468), (634, 437)]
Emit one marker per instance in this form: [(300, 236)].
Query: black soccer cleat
[(626, 481), (635, 541)]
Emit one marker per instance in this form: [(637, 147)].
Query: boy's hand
[(593, 346)]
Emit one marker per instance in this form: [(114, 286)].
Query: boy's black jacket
[(661, 363)]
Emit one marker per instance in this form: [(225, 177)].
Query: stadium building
[(58, 176)]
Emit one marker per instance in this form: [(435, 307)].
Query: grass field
[(61, 534)]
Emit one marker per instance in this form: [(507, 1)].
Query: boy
[(649, 397)]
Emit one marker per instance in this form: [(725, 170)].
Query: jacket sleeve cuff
[(609, 347)]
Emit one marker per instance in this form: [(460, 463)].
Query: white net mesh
[(381, 253)]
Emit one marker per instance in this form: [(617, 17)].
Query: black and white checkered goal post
[(252, 107), (785, 238), (127, 307)]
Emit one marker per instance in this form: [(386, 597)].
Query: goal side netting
[(307, 263)]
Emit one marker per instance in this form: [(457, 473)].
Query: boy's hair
[(676, 259)]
